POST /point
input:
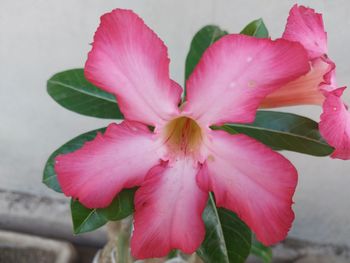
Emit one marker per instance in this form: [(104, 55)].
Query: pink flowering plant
[(199, 168)]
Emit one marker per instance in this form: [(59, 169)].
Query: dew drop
[(249, 59), (134, 129), (232, 84), (335, 108)]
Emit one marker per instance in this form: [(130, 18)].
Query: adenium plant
[(197, 167)]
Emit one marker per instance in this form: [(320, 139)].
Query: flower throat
[(183, 136)]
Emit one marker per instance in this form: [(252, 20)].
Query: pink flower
[(305, 26), (183, 159), (319, 86)]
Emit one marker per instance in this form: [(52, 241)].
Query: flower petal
[(97, 172), (129, 60), (330, 82), (304, 90), (335, 124), (236, 73), (304, 25), (253, 181), (169, 207)]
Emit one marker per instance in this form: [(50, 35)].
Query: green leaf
[(261, 251), (50, 177), (256, 28), (284, 131), (200, 42), (85, 219), (227, 238), (71, 90), (121, 207)]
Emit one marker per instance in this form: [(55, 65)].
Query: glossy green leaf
[(50, 177), (85, 219), (284, 131), (71, 90), (200, 42), (121, 207), (261, 251), (227, 238), (256, 28)]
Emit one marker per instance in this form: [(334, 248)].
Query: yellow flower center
[(183, 136)]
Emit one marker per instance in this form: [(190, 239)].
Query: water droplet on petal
[(134, 129), (232, 84), (335, 108), (249, 59)]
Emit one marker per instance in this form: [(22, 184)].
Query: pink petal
[(236, 73), (129, 60), (97, 172), (330, 82), (304, 90), (304, 25), (335, 124), (253, 181), (169, 207)]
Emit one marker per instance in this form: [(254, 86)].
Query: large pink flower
[(319, 86), (182, 159)]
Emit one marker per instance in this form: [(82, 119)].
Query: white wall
[(41, 37)]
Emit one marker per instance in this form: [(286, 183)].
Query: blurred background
[(41, 37)]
